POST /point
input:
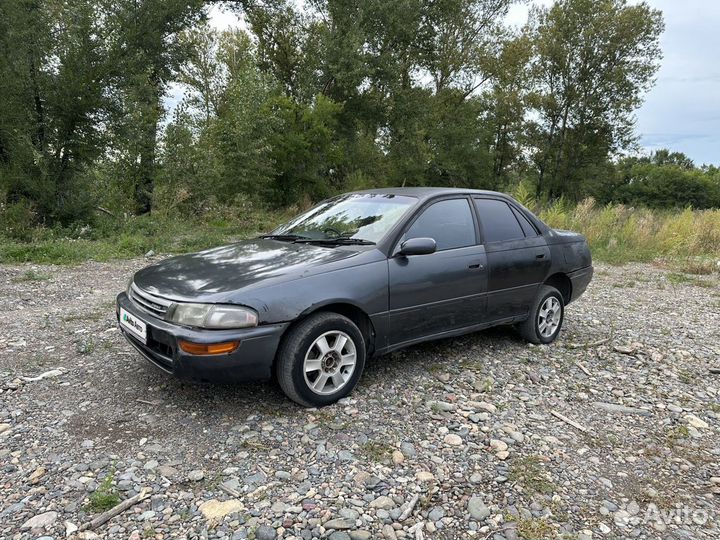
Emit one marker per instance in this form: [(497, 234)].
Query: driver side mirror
[(417, 246)]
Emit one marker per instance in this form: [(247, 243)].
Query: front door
[(441, 291)]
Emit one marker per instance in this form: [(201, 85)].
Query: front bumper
[(252, 360)]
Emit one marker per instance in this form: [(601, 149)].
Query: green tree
[(594, 59), (53, 73), (148, 52)]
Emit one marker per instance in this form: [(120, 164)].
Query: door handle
[(540, 256), (478, 266)]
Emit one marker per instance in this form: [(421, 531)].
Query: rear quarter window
[(498, 221)]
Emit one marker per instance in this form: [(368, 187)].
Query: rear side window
[(449, 223), (498, 221), (527, 227)]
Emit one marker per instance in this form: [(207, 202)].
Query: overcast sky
[(682, 111)]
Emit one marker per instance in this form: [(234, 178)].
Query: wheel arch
[(563, 284), (347, 309)]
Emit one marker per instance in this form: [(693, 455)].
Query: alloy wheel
[(549, 317), (329, 362)]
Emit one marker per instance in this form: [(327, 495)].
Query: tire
[(320, 346), (537, 328)]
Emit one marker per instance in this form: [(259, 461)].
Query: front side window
[(361, 216), (449, 223), (498, 221)]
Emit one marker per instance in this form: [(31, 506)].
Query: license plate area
[(136, 327)]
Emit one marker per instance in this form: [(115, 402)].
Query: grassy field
[(689, 239)]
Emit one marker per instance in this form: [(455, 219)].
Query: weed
[(85, 345), (675, 434), (535, 529), (89, 316), (31, 275), (105, 496), (686, 377), (677, 278), (377, 451), (530, 473)]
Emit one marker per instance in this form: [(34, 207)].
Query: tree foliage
[(140, 105)]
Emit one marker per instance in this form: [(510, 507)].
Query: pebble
[(41, 521), (477, 509), (196, 475), (263, 532), (453, 440)]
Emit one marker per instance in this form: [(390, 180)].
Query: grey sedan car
[(358, 275)]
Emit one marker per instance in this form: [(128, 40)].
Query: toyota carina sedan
[(358, 275)]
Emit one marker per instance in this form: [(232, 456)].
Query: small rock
[(408, 449), (453, 440), (436, 514), (497, 445), (41, 521), (696, 422), (215, 510), (339, 523), (4, 428), (196, 475), (424, 476), (384, 502), (263, 532), (477, 509)]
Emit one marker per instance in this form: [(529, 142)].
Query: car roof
[(427, 192)]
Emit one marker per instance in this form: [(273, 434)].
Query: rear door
[(441, 291), (518, 258)]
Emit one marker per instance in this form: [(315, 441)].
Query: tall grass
[(128, 237), (618, 233)]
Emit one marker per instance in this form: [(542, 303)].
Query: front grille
[(152, 304)]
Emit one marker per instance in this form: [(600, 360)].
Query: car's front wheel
[(545, 318), (321, 359)]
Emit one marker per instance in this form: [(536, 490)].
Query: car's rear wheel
[(321, 359), (545, 318)]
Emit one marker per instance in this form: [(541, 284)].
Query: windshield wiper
[(284, 237), (336, 241)]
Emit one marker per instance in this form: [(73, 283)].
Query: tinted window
[(498, 221), (449, 222), (527, 227)]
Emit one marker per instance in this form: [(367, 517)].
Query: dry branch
[(585, 370), (588, 345), (116, 510), (567, 420)]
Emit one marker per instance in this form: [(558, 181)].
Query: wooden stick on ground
[(588, 345), (116, 510), (585, 370), (567, 420), (230, 491)]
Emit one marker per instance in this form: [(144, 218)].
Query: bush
[(18, 220)]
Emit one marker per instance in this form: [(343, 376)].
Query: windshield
[(361, 216)]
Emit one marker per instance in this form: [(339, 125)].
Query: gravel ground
[(478, 437)]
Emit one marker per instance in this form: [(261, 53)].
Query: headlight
[(212, 316)]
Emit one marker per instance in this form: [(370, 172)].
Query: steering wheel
[(335, 232)]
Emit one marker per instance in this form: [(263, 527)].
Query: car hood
[(217, 274)]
